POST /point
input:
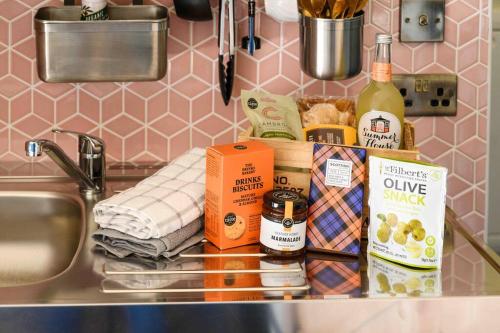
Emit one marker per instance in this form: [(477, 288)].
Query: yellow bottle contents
[(380, 110)]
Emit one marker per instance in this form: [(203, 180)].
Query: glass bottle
[(380, 110)]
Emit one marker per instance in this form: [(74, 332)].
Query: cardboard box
[(238, 175), (232, 280)]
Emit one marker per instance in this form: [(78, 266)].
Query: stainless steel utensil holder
[(131, 46), (331, 49)]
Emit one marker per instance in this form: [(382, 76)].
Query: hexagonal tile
[(381, 17), (190, 87), (474, 148), (269, 29), (27, 48), (468, 30), (4, 109), (88, 105), (11, 86), (157, 145), (179, 144), (4, 63), (4, 31), (78, 123), (10, 9), (456, 186), (114, 145), (100, 89), (290, 68), (21, 67), (467, 93), (22, 27), (281, 86), (67, 107), (466, 128), (180, 67), (477, 74), (464, 203), (202, 106), (464, 167), (246, 67), (168, 125), (459, 11), (112, 106), (445, 130), (54, 90), (423, 56), (179, 106), (213, 125), (43, 106), (32, 125), (135, 106), (433, 148), (135, 144), (123, 125)]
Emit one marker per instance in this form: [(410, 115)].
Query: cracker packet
[(272, 116), (407, 211)]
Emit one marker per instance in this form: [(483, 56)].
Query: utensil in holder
[(331, 49), (130, 46)]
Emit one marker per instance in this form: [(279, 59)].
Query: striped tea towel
[(161, 204)]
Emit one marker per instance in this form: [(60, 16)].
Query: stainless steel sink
[(40, 234)]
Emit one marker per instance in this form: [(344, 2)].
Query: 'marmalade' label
[(283, 236), (379, 129)]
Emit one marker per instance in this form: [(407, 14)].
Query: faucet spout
[(37, 147)]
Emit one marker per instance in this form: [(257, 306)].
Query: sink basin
[(40, 233)]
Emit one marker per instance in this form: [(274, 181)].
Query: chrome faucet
[(92, 170)]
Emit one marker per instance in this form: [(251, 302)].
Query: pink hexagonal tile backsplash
[(157, 121)]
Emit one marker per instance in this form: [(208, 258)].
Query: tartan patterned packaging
[(334, 277), (336, 199)]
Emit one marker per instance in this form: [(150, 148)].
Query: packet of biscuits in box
[(336, 200), (407, 210), (237, 177), (272, 116)]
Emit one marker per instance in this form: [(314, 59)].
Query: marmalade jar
[(283, 223)]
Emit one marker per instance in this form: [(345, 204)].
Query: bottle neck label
[(379, 129), (381, 72)]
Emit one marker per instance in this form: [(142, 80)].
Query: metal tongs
[(226, 72)]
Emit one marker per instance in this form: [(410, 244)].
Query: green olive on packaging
[(418, 234), (400, 237), (392, 219)]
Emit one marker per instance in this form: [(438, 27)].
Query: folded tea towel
[(123, 245), (161, 204)]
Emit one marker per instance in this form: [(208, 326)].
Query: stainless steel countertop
[(469, 272)]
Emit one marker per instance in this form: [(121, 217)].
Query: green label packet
[(407, 210)]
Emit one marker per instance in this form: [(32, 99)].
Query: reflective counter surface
[(319, 287)]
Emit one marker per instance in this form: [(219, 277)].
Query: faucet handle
[(88, 144)]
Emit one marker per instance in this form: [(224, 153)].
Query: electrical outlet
[(428, 94), (422, 21)]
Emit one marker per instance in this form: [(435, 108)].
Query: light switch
[(422, 21)]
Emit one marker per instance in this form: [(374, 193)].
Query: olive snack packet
[(272, 116)]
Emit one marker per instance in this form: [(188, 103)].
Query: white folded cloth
[(161, 204)]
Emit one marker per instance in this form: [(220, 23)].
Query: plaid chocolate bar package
[(336, 199), (334, 277)]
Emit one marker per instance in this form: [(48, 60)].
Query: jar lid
[(276, 200)]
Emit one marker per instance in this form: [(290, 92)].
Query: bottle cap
[(383, 39)]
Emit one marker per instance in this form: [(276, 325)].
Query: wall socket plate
[(428, 94), (422, 21)]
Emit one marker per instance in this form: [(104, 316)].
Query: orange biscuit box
[(238, 175)]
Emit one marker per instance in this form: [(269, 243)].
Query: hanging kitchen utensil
[(251, 42), (226, 72), (318, 6), (193, 10)]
